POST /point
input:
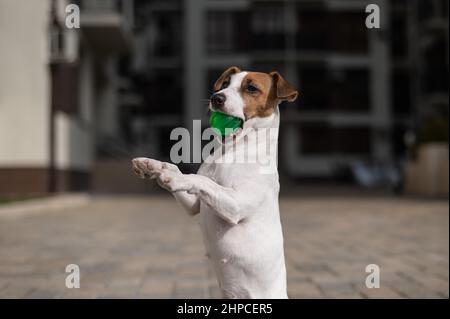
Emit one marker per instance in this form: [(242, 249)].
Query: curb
[(35, 206)]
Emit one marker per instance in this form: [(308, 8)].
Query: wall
[(24, 84)]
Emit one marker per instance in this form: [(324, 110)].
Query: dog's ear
[(284, 90), (224, 76)]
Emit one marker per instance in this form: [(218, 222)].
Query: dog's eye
[(225, 85), (251, 88)]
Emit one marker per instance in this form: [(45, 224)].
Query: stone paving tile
[(157, 287), (146, 247), (304, 290)]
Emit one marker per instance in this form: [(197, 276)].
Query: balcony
[(106, 24)]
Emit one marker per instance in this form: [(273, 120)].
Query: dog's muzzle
[(218, 100)]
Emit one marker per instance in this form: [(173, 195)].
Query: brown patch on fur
[(271, 90), (225, 77), (261, 102), (285, 90)]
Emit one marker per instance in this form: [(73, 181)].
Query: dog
[(237, 203)]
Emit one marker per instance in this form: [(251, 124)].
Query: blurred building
[(360, 89), (428, 56), (58, 91), (427, 172), (76, 105)]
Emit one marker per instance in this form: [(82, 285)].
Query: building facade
[(76, 105), (360, 89), (55, 84)]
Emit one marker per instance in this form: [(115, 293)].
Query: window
[(347, 33), (313, 29), (319, 138), (435, 75), (267, 26), (350, 90), (339, 90), (165, 38), (314, 87), (398, 39), (401, 94), (163, 92), (226, 32)]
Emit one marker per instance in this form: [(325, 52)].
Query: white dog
[(237, 202)]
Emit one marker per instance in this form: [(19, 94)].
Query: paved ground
[(136, 247)]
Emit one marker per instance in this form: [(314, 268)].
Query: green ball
[(224, 124)]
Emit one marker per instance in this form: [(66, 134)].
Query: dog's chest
[(226, 174), (218, 173)]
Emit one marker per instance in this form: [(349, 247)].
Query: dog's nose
[(218, 100)]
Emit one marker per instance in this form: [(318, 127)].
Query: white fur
[(237, 208), (234, 104)]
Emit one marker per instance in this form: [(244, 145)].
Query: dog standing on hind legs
[(237, 202)]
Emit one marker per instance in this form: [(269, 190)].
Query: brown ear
[(284, 90), (224, 76)]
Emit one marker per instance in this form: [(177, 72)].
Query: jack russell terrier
[(237, 202)]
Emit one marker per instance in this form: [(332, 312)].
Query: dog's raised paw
[(146, 167), (173, 182), (171, 167)]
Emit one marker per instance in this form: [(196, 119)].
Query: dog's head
[(250, 95)]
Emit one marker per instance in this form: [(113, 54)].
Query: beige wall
[(24, 83)]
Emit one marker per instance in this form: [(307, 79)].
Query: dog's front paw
[(171, 167), (173, 181), (146, 167)]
